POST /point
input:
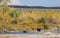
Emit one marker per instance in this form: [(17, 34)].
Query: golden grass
[(15, 20)]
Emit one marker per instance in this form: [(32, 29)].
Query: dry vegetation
[(12, 20), (18, 20)]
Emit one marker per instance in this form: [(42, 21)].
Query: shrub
[(45, 26), (42, 20)]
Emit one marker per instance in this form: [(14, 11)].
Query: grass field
[(28, 21)]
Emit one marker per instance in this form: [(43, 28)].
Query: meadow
[(27, 21)]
